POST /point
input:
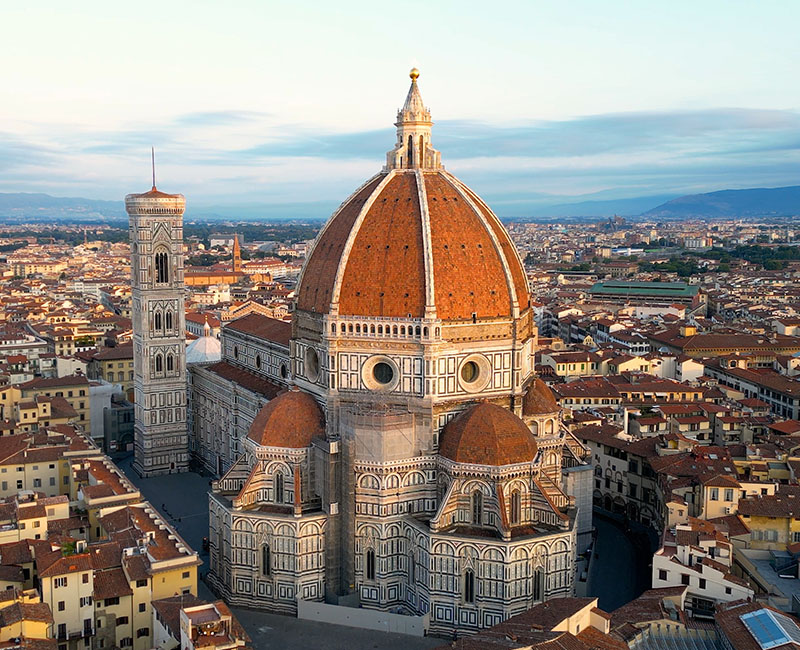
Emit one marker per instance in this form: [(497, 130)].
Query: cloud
[(240, 157)]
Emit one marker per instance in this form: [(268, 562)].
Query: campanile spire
[(413, 149)]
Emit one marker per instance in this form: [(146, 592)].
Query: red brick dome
[(290, 420), (409, 240), (487, 434), (539, 399)]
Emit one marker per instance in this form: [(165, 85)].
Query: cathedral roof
[(487, 434), (415, 242), (539, 399), (290, 420)]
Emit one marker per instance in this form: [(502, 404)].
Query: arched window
[(370, 564), (477, 507), (278, 488), (266, 565), (157, 320), (537, 584), (333, 328), (516, 507), (162, 267), (469, 586), (130, 375), (159, 363), (411, 151), (170, 363), (168, 320), (421, 151), (343, 327)]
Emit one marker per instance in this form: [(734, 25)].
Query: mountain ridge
[(750, 202)]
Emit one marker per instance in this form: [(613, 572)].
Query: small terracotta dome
[(539, 400), (290, 420), (487, 434)]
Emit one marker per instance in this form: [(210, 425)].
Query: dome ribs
[(487, 434), (414, 243), (319, 275), (509, 250), (385, 272), (470, 278), (290, 420)]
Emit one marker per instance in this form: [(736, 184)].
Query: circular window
[(284, 372), (383, 373), (474, 373), (312, 364), (469, 372), (380, 373), (258, 361)]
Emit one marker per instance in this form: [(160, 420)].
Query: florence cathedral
[(392, 444)]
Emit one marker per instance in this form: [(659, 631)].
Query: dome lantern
[(413, 149)]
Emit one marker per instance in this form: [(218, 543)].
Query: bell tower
[(159, 338)]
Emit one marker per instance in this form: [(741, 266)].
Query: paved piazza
[(182, 499)]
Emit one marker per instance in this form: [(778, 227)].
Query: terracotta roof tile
[(316, 288), (539, 399), (244, 378), (487, 434), (476, 268), (290, 420), (111, 583), (263, 327)]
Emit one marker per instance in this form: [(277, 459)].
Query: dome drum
[(394, 329), (474, 373), (380, 373)]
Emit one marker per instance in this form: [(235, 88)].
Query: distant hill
[(603, 207), (43, 206), (757, 202)]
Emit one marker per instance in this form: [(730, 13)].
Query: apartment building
[(699, 555), (73, 388)]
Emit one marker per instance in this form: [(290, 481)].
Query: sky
[(292, 104)]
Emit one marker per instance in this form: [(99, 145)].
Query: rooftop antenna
[(153, 160)]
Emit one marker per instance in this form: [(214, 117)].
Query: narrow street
[(620, 567)]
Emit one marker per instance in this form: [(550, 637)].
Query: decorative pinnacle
[(414, 74)]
